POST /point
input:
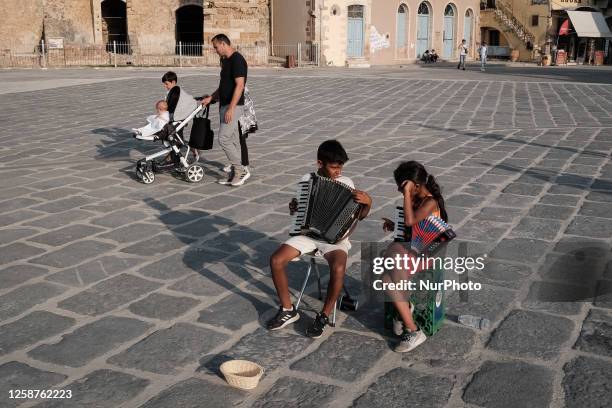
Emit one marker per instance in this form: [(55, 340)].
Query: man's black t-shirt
[(235, 66)]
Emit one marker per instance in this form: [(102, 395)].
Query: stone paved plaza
[(132, 295)]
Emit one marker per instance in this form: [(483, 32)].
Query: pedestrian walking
[(483, 56), (463, 51), (230, 95)]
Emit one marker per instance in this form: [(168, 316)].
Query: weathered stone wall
[(21, 24), (245, 22), (69, 19), (151, 25)]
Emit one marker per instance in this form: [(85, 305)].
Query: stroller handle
[(190, 117)]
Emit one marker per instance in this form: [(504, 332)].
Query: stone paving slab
[(108, 295), (31, 329), (192, 393), (90, 341), (167, 350), (24, 297), (133, 295), (102, 388), (510, 384), (530, 334), (341, 356), (17, 376), (390, 390), (297, 393)]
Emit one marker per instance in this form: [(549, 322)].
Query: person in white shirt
[(331, 157), (463, 51), (483, 56), (156, 122)]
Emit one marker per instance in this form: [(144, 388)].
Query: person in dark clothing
[(180, 103), (230, 95), (170, 84), (433, 55)]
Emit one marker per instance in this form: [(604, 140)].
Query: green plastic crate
[(429, 305)]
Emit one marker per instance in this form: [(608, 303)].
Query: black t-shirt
[(235, 66)]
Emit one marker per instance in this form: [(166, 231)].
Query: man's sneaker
[(283, 318), (228, 168), (318, 325), (241, 177), (229, 180), (410, 340), (398, 324)]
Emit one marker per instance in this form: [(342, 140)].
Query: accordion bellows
[(425, 236), (326, 209)]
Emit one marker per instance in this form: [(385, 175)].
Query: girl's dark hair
[(331, 151), (169, 77), (415, 172)]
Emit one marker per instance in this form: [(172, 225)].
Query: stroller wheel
[(194, 173), (148, 177)]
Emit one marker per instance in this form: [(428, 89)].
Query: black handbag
[(202, 135)]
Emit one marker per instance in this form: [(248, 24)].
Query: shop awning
[(589, 24)]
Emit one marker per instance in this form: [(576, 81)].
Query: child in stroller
[(156, 122), (174, 154)]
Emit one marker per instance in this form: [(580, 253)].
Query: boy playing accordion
[(331, 157), (422, 199)]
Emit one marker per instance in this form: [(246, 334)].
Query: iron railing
[(124, 54)]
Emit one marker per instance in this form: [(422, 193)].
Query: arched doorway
[(354, 34), (468, 27), (423, 27), (402, 30), (114, 25), (190, 30), (448, 37)]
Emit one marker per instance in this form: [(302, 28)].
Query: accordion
[(426, 236), (326, 209)]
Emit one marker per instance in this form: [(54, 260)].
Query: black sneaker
[(283, 318), (316, 330)]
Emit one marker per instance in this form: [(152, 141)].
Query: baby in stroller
[(156, 122), (174, 154)]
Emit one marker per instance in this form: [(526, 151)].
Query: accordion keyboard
[(297, 220), (399, 233)]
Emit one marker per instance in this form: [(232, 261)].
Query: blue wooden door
[(449, 36), (354, 35), (467, 28), (422, 34), (401, 27)]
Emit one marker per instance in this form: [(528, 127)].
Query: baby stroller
[(174, 154)]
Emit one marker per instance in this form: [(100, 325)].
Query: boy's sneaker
[(410, 340), (398, 324), (318, 325), (228, 168), (241, 177), (229, 180), (283, 318)]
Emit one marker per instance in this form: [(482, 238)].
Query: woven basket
[(242, 373)]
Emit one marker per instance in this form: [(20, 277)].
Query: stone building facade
[(378, 32), (150, 26), (530, 27)]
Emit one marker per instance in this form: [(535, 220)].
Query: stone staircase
[(503, 14)]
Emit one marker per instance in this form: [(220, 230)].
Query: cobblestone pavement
[(131, 295)]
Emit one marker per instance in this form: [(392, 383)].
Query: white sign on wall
[(377, 40), (55, 43)]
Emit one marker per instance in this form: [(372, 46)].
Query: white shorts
[(307, 245)]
